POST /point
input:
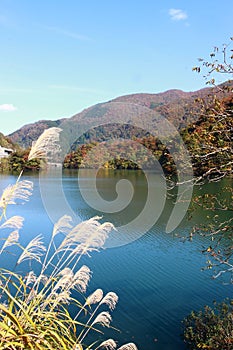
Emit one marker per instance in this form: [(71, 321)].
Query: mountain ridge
[(177, 106)]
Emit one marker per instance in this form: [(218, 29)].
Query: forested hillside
[(30, 132), (203, 118), (208, 140), (179, 107), (6, 142)]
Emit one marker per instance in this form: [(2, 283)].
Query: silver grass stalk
[(12, 239), (34, 250), (80, 231), (15, 222), (90, 230), (110, 300), (63, 297), (92, 241), (30, 278), (65, 282), (91, 223), (108, 344), (129, 346), (98, 237), (30, 296), (63, 225), (46, 145), (104, 318), (20, 190), (82, 278), (65, 272), (82, 249), (83, 238), (91, 236), (43, 279), (94, 298)]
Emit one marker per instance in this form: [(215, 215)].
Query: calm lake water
[(158, 276)]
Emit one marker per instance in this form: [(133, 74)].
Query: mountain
[(30, 132), (208, 141), (6, 142), (179, 107), (135, 114)]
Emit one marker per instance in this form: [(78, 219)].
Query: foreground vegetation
[(34, 308), (211, 328)]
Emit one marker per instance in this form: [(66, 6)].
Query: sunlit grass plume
[(35, 305)]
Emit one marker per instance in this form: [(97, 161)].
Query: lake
[(157, 275)]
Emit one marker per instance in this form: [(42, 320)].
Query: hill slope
[(6, 142), (30, 132), (179, 107)]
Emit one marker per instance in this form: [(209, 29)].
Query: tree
[(211, 328), (210, 144), (221, 62), (17, 161)]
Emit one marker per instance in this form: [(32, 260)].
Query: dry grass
[(34, 307)]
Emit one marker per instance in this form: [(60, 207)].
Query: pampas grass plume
[(108, 344), (63, 225), (104, 318), (94, 298), (15, 222), (46, 145), (82, 278), (129, 346), (110, 300), (20, 190), (34, 250)]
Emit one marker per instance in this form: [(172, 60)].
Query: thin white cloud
[(68, 33), (7, 108), (177, 14)]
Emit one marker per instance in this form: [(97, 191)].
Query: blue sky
[(59, 57)]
